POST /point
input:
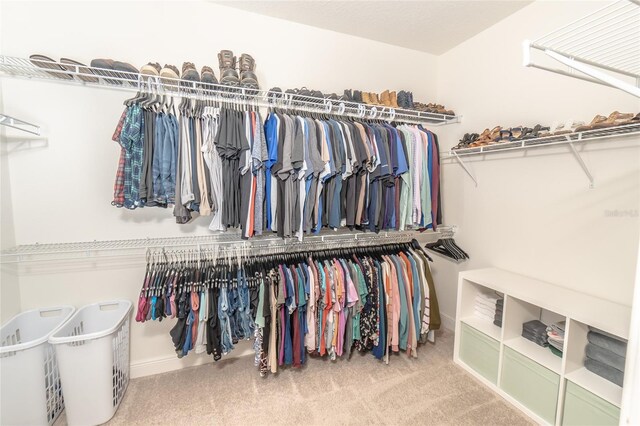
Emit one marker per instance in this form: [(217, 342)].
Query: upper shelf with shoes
[(504, 138), (237, 84)]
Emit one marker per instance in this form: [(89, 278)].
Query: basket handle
[(109, 306), (51, 312)]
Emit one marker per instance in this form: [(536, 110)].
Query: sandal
[(535, 132), (596, 120), (71, 66), (569, 127), (49, 64), (615, 119), (105, 69), (517, 132)]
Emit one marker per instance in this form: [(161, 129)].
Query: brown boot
[(374, 99), (393, 98), (365, 98), (385, 99)]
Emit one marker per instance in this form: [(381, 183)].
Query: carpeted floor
[(430, 390)]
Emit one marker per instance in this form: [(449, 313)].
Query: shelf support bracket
[(465, 167), (581, 161)]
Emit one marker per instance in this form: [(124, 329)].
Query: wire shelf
[(601, 45), (137, 247), (587, 135), (132, 82)]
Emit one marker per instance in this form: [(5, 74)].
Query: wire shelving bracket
[(132, 82), (603, 47), (14, 123)]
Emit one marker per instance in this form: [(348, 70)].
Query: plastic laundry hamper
[(93, 357), (29, 379)]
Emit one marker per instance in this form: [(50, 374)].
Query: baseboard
[(448, 322), (171, 363)]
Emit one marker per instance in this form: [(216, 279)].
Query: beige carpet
[(430, 390)]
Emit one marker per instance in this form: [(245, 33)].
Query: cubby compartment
[(531, 384), (518, 312), (480, 352), (467, 315), (584, 408), (576, 373)]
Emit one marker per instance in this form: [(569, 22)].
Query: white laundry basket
[(29, 381), (93, 357)]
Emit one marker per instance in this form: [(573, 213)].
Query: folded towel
[(556, 351), (605, 356), (538, 342), (485, 304), (604, 333), (483, 316), (557, 328), (604, 371), (489, 297), (557, 345), (535, 326), (615, 345), (484, 311)]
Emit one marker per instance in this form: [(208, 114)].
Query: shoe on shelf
[(569, 127), (168, 75), (393, 99), (385, 98), (373, 97), (152, 68), (615, 119), (365, 98), (189, 73), (357, 96), (348, 95), (130, 72), (71, 66), (208, 75), (226, 60), (246, 63)]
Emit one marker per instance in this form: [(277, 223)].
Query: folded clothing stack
[(555, 337), (535, 331), (606, 355), (485, 306), (497, 318)]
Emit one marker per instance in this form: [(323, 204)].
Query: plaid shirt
[(118, 131), (132, 140), (118, 186)]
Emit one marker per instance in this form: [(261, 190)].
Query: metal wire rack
[(568, 139), (604, 47), (132, 82), (134, 248)]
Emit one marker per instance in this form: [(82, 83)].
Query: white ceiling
[(429, 26)]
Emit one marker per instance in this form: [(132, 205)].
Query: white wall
[(61, 192), (534, 214)]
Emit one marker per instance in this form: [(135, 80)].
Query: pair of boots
[(386, 98), (229, 74)]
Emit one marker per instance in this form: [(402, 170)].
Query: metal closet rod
[(263, 250), (91, 250)]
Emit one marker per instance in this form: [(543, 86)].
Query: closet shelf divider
[(24, 68)]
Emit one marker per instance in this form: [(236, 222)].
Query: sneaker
[(208, 76), (152, 68), (189, 72)]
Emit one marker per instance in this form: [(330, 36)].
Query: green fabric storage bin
[(582, 408), (534, 386), (480, 352)]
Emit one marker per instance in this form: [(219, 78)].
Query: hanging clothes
[(293, 175), (325, 303)]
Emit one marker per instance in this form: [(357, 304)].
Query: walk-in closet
[(320, 212)]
